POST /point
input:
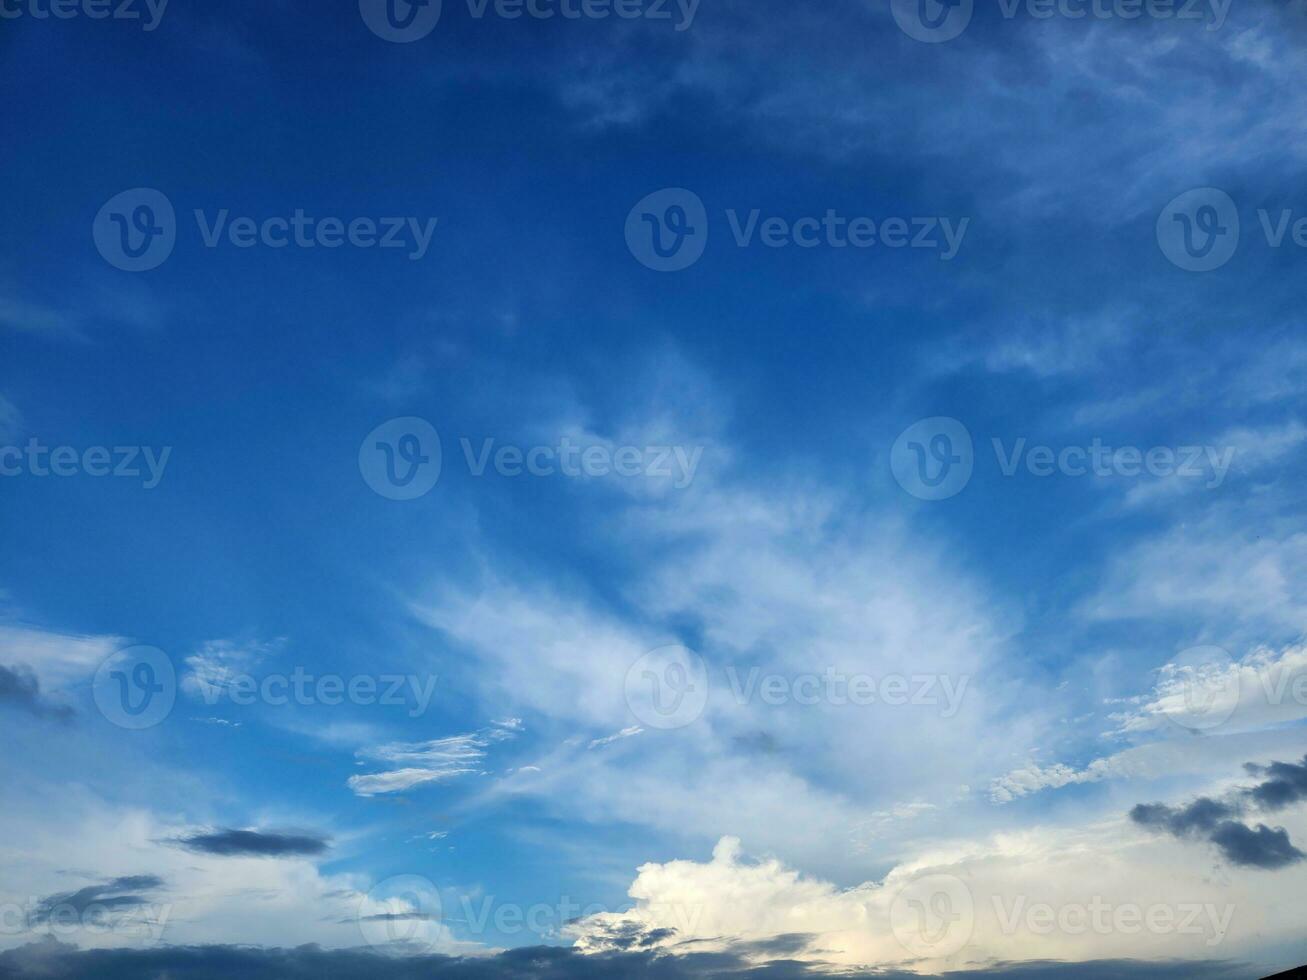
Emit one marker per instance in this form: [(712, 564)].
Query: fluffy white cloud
[(1097, 892)]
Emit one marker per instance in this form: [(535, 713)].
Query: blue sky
[(756, 528)]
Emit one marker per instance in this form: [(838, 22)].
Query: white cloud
[(58, 659), (19, 315), (202, 899), (1265, 688), (432, 761), (1239, 712), (212, 669), (630, 732), (1033, 778), (999, 887), (787, 577), (1235, 567)]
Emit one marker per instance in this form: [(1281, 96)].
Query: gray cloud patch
[(1261, 848), (253, 843), (114, 895), (54, 959), (1200, 816), (1287, 784), (1218, 821), (1264, 847), (20, 688)]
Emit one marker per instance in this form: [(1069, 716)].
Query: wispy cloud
[(433, 761)]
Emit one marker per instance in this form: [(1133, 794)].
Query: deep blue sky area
[(1038, 462)]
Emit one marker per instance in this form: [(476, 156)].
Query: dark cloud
[(62, 962), (627, 936), (20, 689), (1287, 784), (1200, 816), (1217, 820), (761, 742), (110, 897), (1202, 819), (1261, 848), (253, 843)]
